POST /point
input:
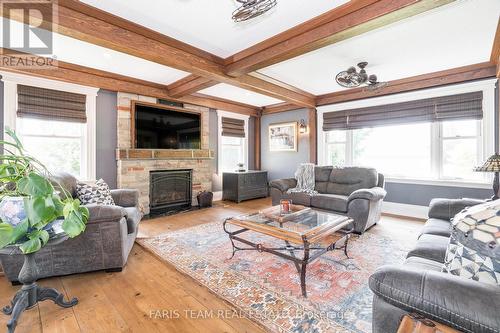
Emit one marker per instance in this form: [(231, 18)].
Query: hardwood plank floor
[(129, 301)]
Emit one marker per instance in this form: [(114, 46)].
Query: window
[(232, 153), (233, 141), (59, 145), (427, 151)]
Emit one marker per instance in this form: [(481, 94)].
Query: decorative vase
[(12, 210)]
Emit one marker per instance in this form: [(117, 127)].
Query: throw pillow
[(474, 249), (98, 193)]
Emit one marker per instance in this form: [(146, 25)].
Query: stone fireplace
[(136, 165), (169, 190)]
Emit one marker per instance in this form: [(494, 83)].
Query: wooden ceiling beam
[(279, 107), (67, 72), (190, 84), (450, 76), (349, 20), (89, 24)]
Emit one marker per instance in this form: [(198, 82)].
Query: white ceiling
[(233, 93), (85, 54), (455, 35), (207, 24)]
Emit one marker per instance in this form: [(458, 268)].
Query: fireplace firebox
[(170, 190)]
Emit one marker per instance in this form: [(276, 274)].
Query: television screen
[(158, 128)]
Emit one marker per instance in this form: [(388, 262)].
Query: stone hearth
[(134, 165)]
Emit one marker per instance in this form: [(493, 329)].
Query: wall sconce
[(302, 126)]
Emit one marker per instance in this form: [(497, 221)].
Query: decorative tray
[(274, 213)]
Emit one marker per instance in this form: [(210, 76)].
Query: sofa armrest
[(125, 197), (445, 209), (283, 184), (102, 213), (372, 194), (464, 304)]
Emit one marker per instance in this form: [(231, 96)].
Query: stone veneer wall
[(134, 173)]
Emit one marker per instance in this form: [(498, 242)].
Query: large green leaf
[(30, 246), (73, 224), (43, 235), (20, 230), (35, 185), (6, 234)]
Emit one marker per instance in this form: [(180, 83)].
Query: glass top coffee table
[(307, 231)]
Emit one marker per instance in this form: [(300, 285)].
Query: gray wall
[(421, 195), (106, 137), (1, 115), (283, 164)]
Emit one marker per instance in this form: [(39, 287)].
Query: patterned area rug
[(266, 288)]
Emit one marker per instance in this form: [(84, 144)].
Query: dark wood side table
[(239, 186), (31, 293)]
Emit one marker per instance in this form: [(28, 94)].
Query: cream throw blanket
[(305, 179)]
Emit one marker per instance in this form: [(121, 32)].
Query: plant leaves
[(73, 224), (6, 234), (31, 245), (20, 230), (35, 185)]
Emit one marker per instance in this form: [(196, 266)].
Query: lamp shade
[(492, 164)]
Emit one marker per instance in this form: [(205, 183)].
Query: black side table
[(31, 293)]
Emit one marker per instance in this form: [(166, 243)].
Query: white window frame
[(486, 133), (228, 114), (12, 80)]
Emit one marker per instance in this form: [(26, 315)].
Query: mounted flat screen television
[(164, 127)]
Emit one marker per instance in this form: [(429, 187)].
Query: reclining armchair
[(104, 245), (352, 191)]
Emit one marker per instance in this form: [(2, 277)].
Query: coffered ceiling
[(446, 34)]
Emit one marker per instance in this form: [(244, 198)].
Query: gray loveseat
[(419, 286), (352, 191), (104, 245)]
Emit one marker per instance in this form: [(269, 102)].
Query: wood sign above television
[(157, 126)]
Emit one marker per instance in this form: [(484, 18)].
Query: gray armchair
[(352, 191), (104, 245), (419, 286)]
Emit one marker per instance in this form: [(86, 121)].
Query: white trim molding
[(394, 208), (11, 80), (487, 127), (228, 114)]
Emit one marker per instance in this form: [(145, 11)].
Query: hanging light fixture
[(252, 8)]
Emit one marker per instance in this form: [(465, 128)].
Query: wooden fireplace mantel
[(164, 154)]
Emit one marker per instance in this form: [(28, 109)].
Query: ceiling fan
[(351, 78), (252, 8)]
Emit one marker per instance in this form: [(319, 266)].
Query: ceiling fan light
[(252, 8)]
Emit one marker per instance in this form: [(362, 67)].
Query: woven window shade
[(233, 127), (454, 107), (34, 102)]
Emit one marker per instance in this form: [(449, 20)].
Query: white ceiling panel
[(458, 34), (207, 24), (233, 93), (85, 54)]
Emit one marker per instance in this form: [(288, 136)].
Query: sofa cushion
[(344, 181), (330, 202), (133, 216), (431, 247), (436, 227), (423, 263), (64, 181), (298, 198)]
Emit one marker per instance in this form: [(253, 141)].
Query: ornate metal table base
[(310, 253), (30, 293)]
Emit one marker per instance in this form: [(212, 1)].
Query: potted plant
[(30, 203)]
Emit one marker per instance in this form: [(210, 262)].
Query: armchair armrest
[(283, 184), (125, 197), (464, 304), (372, 194), (445, 209), (101, 213)]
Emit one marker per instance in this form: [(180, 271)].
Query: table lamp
[(492, 164)]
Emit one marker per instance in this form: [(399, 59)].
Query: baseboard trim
[(399, 209), (218, 196)]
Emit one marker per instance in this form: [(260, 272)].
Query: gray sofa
[(352, 191), (419, 286), (104, 245)]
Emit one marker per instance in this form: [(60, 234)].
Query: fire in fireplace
[(170, 190)]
